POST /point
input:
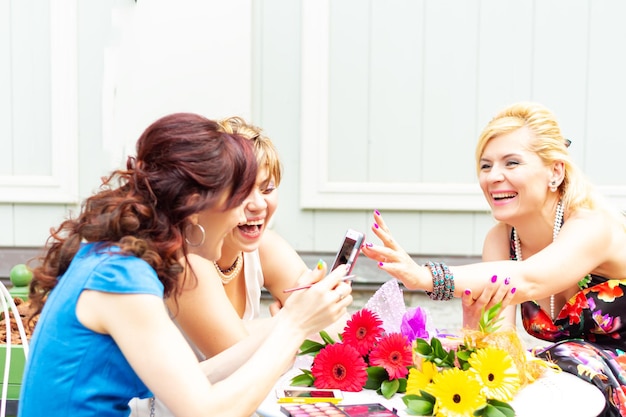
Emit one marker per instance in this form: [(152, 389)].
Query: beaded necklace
[(558, 222), (228, 274)]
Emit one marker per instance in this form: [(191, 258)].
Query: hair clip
[(567, 143)]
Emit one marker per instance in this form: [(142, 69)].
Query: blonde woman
[(557, 249)]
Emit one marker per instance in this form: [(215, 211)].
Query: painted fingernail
[(513, 290), (369, 245), (507, 281), (320, 264), (377, 212), (376, 225), (494, 278), (380, 264), (468, 292)]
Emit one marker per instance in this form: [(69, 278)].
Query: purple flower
[(414, 324)]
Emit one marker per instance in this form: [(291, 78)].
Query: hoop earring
[(195, 245), (553, 186)]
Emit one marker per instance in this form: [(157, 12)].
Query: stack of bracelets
[(443, 282)]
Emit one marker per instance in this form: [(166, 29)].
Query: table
[(554, 394)]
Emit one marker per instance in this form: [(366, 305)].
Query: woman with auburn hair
[(104, 335), (558, 249), (252, 257)]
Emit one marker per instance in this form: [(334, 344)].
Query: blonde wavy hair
[(549, 144), (264, 149)]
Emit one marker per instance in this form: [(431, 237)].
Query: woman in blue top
[(104, 335)]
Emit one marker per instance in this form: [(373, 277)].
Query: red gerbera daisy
[(339, 366), (393, 352), (362, 331)]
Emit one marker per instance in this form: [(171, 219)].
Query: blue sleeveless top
[(71, 370)]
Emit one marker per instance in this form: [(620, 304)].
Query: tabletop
[(555, 393)]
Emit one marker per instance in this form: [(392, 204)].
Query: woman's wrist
[(441, 281)]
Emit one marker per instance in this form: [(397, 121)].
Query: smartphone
[(349, 250), (367, 410), (308, 395)]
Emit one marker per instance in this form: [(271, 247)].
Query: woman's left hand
[(474, 306), (391, 257)]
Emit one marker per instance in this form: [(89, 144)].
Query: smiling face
[(217, 224), (259, 208), (513, 179)]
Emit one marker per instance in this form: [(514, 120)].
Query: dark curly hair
[(144, 209)]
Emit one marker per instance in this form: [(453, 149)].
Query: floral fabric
[(589, 335)]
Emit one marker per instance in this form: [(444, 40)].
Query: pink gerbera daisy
[(362, 331), (393, 352), (339, 366)]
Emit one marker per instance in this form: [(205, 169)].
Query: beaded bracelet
[(449, 282), (443, 281)]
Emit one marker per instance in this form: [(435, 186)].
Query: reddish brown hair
[(144, 209)]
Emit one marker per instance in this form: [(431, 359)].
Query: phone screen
[(346, 252)]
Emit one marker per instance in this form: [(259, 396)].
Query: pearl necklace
[(228, 274), (558, 221)]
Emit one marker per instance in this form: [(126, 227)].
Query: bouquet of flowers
[(476, 375), (364, 357)]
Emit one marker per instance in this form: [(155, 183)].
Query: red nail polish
[(494, 278)]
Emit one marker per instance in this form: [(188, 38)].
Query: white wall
[(372, 105)]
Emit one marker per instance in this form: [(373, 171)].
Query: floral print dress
[(589, 335)]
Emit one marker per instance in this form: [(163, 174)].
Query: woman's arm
[(282, 266), (204, 312), (495, 247), (156, 350), (582, 245)]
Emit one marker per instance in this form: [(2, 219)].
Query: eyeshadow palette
[(328, 409), (312, 410), (367, 410)]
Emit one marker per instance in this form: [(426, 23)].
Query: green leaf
[(495, 408), (422, 347), (438, 349), (503, 409), (326, 337), (489, 319), (305, 379), (428, 396), (375, 377), (377, 373), (309, 347), (402, 386), (418, 406), (463, 355), (389, 388)]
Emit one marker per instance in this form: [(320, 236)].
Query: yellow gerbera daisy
[(496, 370), (458, 393), (419, 380)]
